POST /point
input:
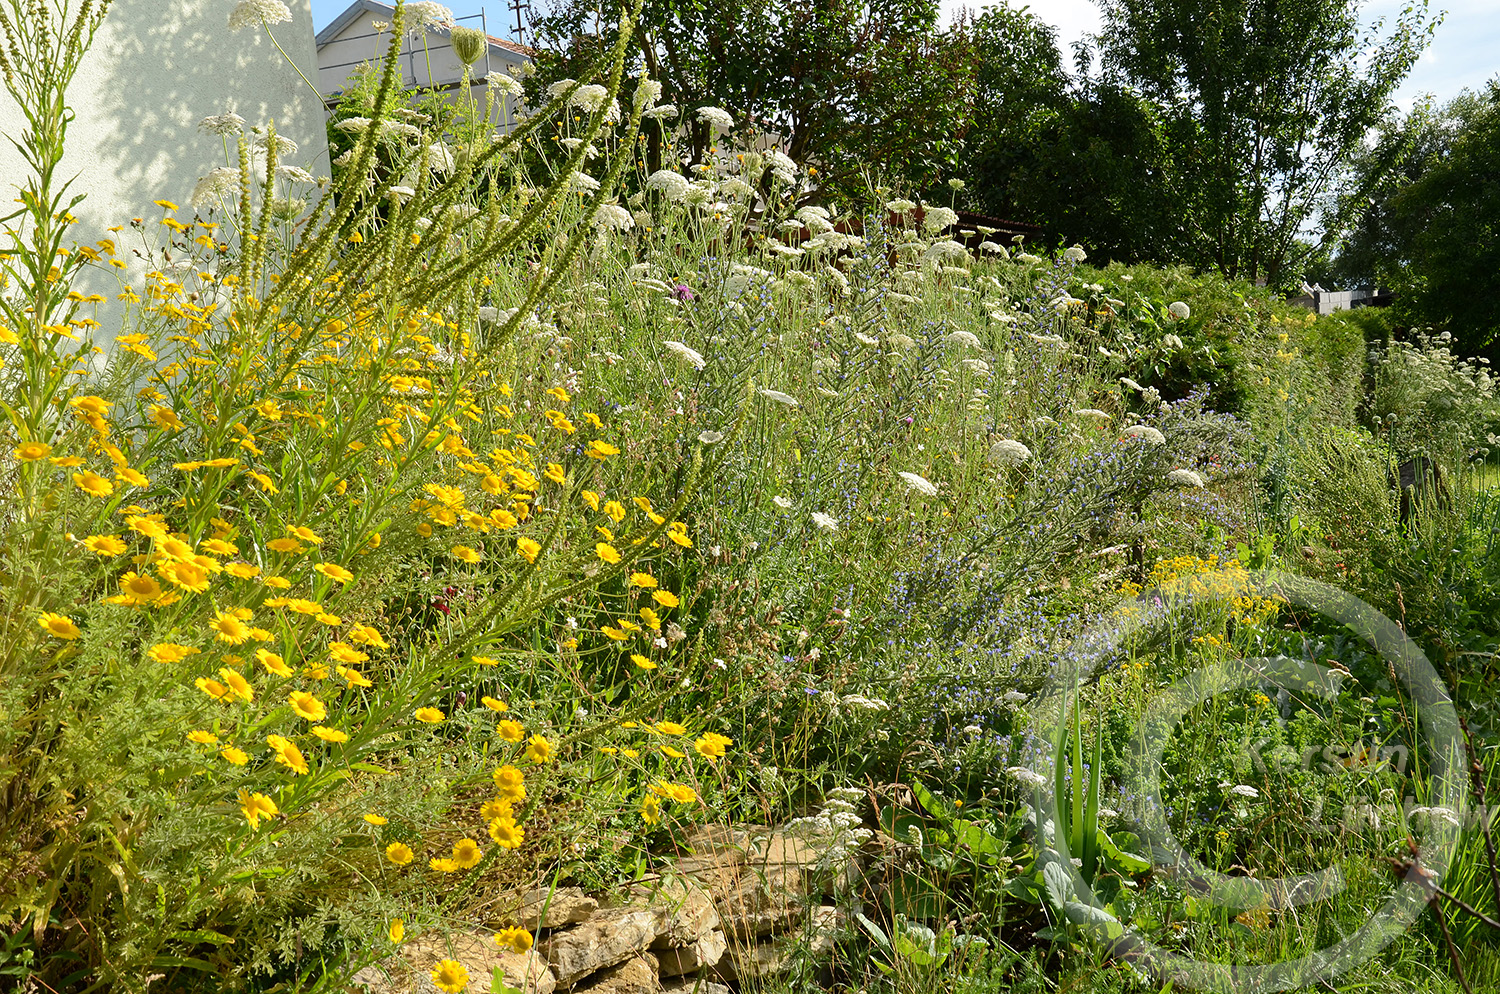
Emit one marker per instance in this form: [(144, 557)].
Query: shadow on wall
[(156, 69)]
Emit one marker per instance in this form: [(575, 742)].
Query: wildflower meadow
[(502, 517)]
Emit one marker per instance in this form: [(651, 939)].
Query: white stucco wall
[(156, 69)]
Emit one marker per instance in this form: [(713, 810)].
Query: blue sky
[(1465, 51)]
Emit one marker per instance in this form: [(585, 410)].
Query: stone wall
[(742, 906)]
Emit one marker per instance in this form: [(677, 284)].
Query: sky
[(1465, 51)]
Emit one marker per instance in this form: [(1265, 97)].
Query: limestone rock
[(636, 975), (566, 906), (607, 938), (754, 961), (769, 957), (689, 907), (688, 985), (410, 971), (704, 952)]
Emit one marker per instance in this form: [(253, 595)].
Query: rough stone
[(637, 975), (689, 907), (609, 937), (690, 985), (706, 951), (754, 961), (566, 906), (410, 971), (769, 957)]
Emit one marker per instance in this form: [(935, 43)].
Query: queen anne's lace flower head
[(252, 13), (426, 13), (1008, 452), (919, 484), (717, 118), (502, 83), (221, 182), (613, 216), (671, 183), (779, 397), (589, 98), (1146, 432), (1185, 478), (226, 124), (687, 354), (647, 92), (935, 219)]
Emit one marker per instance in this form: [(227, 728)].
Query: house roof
[(358, 7)]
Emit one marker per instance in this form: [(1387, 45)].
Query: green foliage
[(1259, 106), (734, 527), (843, 85), (1427, 232)]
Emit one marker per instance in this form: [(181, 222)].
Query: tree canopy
[(842, 83), (1260, 103)]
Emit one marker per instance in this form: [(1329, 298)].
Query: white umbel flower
[(827, 522), (900, 206), (502, 83), (686, 353), (1146, 432), (935, 219), (1008, 452), (661, 112), (1075, 254), (223, 124), (251, 13), (582, 183), (426, 13), (295, 174), (1185, 478), (589, 98), (1091, 414), (967, 338), (1179, 310), (717, 118), (1029, 777), (782, 502), (672, 184), (221, 182), (647, 92), (919, 484), (779, 397), (613, 216)]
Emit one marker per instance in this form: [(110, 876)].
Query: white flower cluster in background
[(837, 830)]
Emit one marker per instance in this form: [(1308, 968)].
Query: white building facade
[(361, 36)]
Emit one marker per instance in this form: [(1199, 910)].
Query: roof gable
[(358, 7)]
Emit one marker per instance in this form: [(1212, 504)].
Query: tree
[(1261, 104), (1432, 231), (842, 83)]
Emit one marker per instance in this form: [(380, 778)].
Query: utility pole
[(522, 11)]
